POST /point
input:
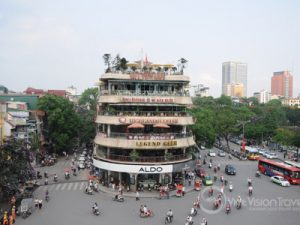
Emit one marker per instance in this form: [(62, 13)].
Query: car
[(261, 151), (81, 158), (280, 180), (230, 170), (271, 155), (207, 180), (202, 147), (81, 165), (200, 172), (211, 154), (221, 154)]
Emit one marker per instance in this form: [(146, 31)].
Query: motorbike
[(257, 174), (250, 192), (225, 182), (47, 198), (249, 183), (89, 192), (210, 192), (215, 170), (55, 179), (39, 176), (209, 166), (150, 214), (238, 205), (168, 219), (96, 211), (197, 204), (215, 178), (228, 209), (118, 199), (187, 222), (67, 176), (230, 187), (216, 205), (193, 212), (46, 182)]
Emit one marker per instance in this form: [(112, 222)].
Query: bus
[(251, 153), (274, 168)]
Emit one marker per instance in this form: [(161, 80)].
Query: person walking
[(137, 196), (13, 212)]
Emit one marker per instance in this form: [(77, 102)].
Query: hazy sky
[(52, 44)]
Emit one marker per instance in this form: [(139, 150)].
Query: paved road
[(69, 204)]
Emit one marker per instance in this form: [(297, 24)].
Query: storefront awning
[(161, 125), (136, 125)]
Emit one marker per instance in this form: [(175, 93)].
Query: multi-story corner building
[(263, 96), (291, 102), (234, 72), (282, 84), (142, 129)]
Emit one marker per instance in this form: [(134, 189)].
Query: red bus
[(274, 168)]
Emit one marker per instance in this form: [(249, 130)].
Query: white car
[(202, 147), (81, 165), (211, 154), (280, 180), (271, 155), (81, 158)]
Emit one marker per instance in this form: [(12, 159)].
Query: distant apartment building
[(40, 92), (263, 96), (282, 84), (234, 90), (291, 102), (234, 73)]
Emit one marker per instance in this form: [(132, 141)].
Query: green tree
[(87, 110), (61, 122), (123, 64), (283, 136)]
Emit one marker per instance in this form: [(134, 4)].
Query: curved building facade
[(142, 129)]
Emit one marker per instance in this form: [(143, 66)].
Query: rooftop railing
[(146, 136)]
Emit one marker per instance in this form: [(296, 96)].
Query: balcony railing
[(148, 113), (146, 93), (145, 136), (124, 158)]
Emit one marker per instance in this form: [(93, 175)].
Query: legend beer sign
[(155, 143)]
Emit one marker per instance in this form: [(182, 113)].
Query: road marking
[(57, 187), (75, 186), (70, 186), (63, 187), (45, 188), (81, 186)]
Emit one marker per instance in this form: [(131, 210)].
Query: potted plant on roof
[(134, 155)]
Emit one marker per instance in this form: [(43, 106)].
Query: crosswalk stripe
[(57, 187), (70, 185), (75, 186), (81, 186), (63, 187)]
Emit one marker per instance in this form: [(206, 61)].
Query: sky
[(53, 44)]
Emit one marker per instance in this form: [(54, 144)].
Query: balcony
[(158, 99), (145, 93), (145, 141), (143, 159)]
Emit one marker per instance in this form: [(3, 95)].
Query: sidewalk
[(144, 194)]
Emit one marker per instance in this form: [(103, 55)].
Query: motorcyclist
[(210, 165), (222, 178), (46, 181), (250, 190), (189, 220), (55, 177), (204, 221), (47, 195), (249, 181), (46, 174), (215, 169), (211, 191), (257, 174), (228, 207), (239, 202), (95, 207), (218, 167), (146, 211), (193, 211), (230, 186), (170, 215)]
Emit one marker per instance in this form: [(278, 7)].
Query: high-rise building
[(234, 72), (234, 90), (143, 137), (282, 84), (263, 96)]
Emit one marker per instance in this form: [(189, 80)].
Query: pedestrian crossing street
[(73, 186)]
